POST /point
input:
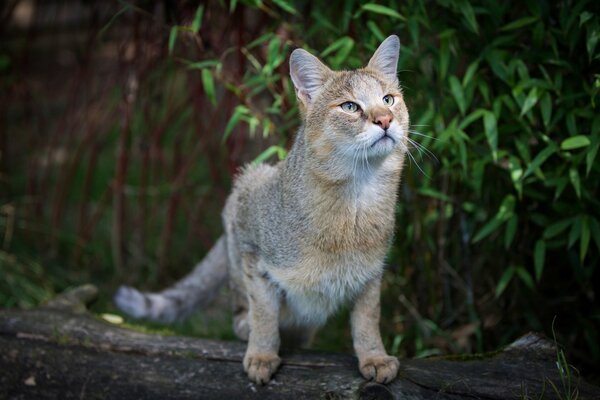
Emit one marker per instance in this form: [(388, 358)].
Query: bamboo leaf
[(519, 23), (557, 228), (286, 6), (490, 125), (511, 230), (197, 21), (584, 240), (172, 38), (530, 101), (209, 85), (525, 277), (575, 142), (504, 281), (234, 120), (575, 181), (380, 9), (269, 152), (458, 94), (539, 159)]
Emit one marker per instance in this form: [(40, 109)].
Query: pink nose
[(384, 120)]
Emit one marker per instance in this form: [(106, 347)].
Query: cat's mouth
[(384, 139)]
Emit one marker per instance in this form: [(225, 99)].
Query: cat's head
[(351, 115)]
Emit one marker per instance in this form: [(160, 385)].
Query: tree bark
[(62, 351)]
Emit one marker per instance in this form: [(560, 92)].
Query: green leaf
[(504, 281), (593, 36), (519, 23), (575, 142), (470, 73), (235, 118), (590, 157), (172, 38), (487, 229), (539, 256), (491, 132), (379, 9), (203, 64), (530, 101), (268, 153), (467, 11), (546, 106), (444, 53), (574, 233), (557, 228), (505, 212), (286, 6), (374, 28), (197, 22), (457, 93), (342, 47), (209, 85), (511, 230), (539, 159), (584, 242), (525, 277), (469, 119), (429, 192), (575, 181), (595, 229)]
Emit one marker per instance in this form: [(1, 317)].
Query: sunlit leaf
[(575, 142), (197, 21), (380, 9), (539, 159), (575, 181), (172, 38), (286, 6), (209, 85), (490, 125), (269, 152), (530, 101)]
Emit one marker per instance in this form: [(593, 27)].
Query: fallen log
[(60, 351)]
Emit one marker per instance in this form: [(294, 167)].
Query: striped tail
[(196, 289)]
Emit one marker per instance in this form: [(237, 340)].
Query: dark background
[(122, 124)]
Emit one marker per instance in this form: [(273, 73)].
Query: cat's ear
[(385, 59), (308, 74)]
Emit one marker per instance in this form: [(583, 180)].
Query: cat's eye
[(349, 106), (388, 100)]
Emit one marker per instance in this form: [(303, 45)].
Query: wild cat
[(310, 233)]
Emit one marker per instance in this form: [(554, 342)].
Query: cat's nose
[(384, 120)]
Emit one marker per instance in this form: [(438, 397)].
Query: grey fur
[(310, 233)]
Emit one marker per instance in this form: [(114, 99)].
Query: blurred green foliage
[(498, 221)]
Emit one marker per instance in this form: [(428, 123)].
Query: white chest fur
[(316, 287)]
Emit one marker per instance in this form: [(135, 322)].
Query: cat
[(310, 233)]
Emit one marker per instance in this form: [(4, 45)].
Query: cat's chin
[(382, 146)]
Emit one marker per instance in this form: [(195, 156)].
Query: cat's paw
[(261, 366), (382, 368)]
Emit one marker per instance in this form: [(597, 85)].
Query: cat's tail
[(196, 289)]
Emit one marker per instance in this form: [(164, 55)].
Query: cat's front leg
[(261, 359), (374, 363)]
